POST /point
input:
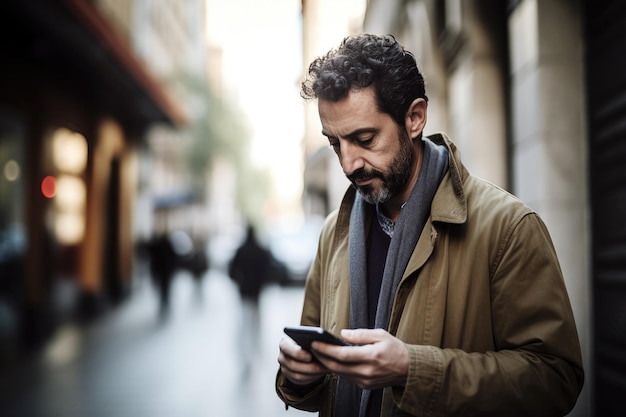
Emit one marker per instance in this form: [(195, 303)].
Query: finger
[(328, 353), (294, 358), (299, 372), (292, 366), (290, 348), (363, 336)]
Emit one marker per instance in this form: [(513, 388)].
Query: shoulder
[(337, 223), (497, 217), (486, 198), (328, 227)]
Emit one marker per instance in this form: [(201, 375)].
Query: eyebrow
[(354, 134)]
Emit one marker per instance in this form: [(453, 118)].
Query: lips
[(361, 182), (362, 178)]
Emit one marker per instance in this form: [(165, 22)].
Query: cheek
[(383, 161)]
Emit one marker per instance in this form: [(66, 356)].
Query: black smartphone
[(304, 335)]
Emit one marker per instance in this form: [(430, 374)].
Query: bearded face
[(377, 155), (392, 180)]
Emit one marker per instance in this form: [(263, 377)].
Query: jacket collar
[(450, 204)]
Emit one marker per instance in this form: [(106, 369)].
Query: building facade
[(325, 22), (76, 103)]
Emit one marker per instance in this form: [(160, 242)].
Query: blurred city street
[(136, 361)]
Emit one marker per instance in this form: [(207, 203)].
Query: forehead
[(355, 111)]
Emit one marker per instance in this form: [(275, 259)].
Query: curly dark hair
[(364, 60)]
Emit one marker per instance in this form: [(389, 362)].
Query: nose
[(350, 157)]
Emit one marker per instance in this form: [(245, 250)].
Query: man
[(450, 287), (250, 269)]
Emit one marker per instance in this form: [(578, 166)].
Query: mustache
[(362, 175)]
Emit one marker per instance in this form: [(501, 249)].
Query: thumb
[(363, 336)]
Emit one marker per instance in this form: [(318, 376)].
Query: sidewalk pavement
[(136, 362)]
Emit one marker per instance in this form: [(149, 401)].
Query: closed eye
[(365, 142), (363, 137)]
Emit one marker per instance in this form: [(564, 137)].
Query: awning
[(70, 42)]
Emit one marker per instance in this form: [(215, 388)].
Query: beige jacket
[(482, 308)]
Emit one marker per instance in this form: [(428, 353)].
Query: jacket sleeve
[(308, 398), (312, 397), (536, 367)]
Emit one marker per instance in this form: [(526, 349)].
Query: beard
[(393, 179)]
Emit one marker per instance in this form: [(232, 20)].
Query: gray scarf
[(406, 233)]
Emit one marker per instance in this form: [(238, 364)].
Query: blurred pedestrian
[(449, 287), (162, 268), (250, 269)]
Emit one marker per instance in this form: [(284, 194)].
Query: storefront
[(74, 107)]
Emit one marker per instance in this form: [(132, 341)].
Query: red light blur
[(49, 186)]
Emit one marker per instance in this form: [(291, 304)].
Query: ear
[(416, 118)]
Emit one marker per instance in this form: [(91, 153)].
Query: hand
[(297, 364), (380, 360)]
